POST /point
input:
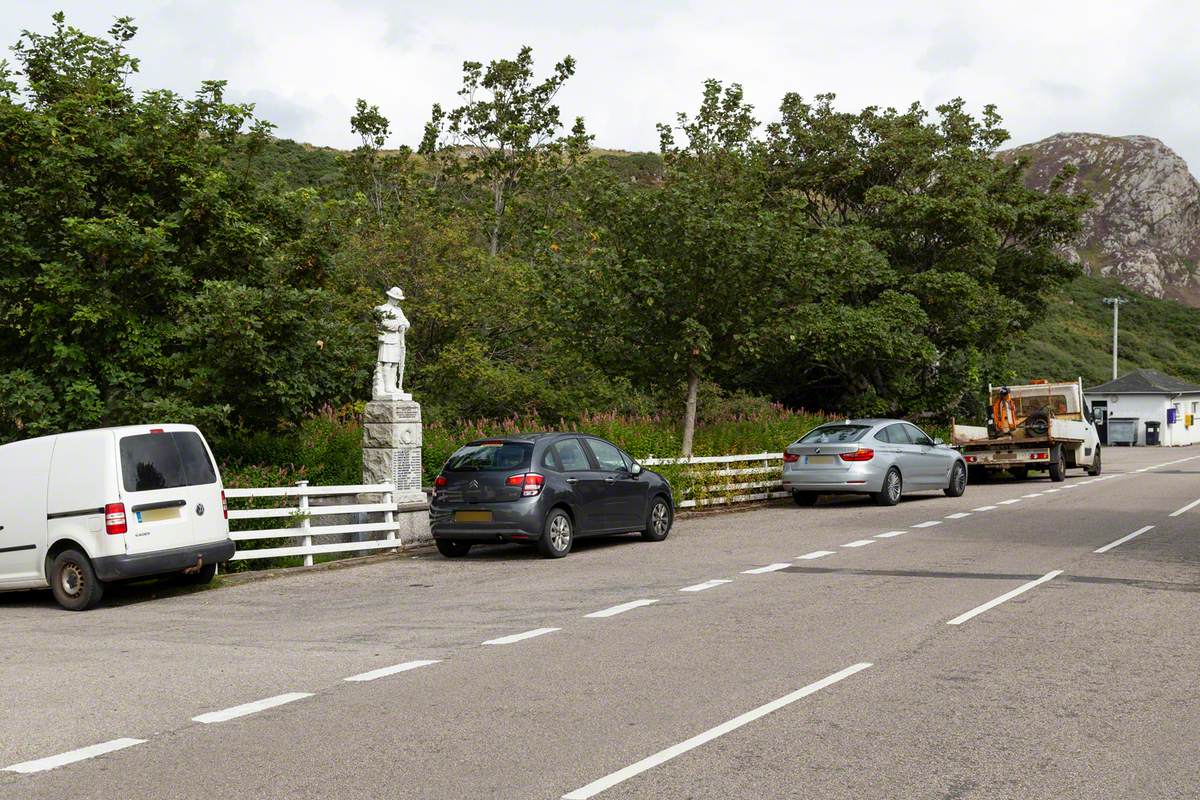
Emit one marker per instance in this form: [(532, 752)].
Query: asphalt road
[(880, 666)]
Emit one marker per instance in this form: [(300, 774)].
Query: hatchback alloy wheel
[(658, 522), (558, 536)]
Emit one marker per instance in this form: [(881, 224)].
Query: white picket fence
[(724, 492), (302, 513)]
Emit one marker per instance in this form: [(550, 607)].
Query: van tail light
[(861, 454), (790, 458), (224, 505), (531, 483), (114, 519)]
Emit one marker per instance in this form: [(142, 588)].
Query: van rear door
[(166, 482)]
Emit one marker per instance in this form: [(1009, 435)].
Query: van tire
[(73, 581), (1058, 464), (1096, 466), (201, 577)]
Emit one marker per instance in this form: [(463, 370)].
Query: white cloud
[(1108, 67)]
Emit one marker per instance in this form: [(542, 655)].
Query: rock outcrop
[(1144, 229)]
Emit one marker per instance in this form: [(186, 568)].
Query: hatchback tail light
[(861, 454), (790, 458), (531, 483), (114, 519), (439, 483)]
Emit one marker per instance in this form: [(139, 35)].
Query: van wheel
[(451, 548), (1096, 465), (74, 582), (1058, 464), (201, 577)]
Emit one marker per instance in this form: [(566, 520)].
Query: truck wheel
[(1058, 464), (1020, 473), (978, 474), (74, 582), (958, 481), (893, 488), (1095, 468)]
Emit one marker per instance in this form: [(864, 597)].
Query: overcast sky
[(1105, 67)]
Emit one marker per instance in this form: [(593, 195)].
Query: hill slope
[(1074, 338)]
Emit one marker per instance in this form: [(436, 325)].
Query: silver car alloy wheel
[(658, 518), (960, 478), (560, 532), (893, 485)]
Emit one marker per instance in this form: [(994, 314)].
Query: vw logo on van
[(199, 509)]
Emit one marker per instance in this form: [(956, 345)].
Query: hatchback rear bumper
[(161, 562), (515, 521)]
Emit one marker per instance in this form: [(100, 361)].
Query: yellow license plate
[(158, 514), (472, 516), (818, 459)]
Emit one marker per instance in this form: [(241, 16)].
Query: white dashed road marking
[(984, 508), (1010, 502), (767, 568), (959, 515), (1035, 494), (250, 708), (816, 554), (1025, 587), (621, 609), (700, 587), (83, 753), (1122, 540), (520, 637), (928, 524), (1186, 508), (383, 672), (890, 534), (859, 543), (608, 781)]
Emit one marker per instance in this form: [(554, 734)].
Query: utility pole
[(1115, 302)]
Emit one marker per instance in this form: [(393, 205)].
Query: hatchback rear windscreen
[(491, 456), (834, 434), (165, 461)]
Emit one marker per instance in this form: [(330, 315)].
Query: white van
[(79, 509)]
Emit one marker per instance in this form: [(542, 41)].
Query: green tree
[(147, 271), (505, 136)]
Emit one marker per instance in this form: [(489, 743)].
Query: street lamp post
[(1115, 302)]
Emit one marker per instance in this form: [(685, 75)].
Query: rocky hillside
[(1144, 229)]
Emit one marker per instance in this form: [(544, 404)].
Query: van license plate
[(818, 459), (158, 514), (472, 516)]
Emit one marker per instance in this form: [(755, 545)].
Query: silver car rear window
[(834, 434)]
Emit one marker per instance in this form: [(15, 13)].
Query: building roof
[(1145, 381)]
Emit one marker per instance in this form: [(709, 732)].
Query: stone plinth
[(392, 447)]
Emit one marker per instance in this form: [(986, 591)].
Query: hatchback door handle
[(572, 480), (609, 479)]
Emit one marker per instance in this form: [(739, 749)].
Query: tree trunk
[(689, 410), (497, 212)]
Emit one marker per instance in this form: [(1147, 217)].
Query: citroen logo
[(473, 485)]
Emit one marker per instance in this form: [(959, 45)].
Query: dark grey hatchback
[(545, 489)]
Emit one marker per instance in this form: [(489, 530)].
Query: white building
[(1144, 396)]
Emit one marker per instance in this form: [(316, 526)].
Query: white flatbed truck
[(1053, 431)]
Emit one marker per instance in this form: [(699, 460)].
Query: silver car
[(881, 457)]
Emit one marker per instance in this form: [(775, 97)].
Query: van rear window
[(152, 461), (490, 456)]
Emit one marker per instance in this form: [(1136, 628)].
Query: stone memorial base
[(392, 447)]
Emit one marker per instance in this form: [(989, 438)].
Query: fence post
[(304, 522), (389, 516)]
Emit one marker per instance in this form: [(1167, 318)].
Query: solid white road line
[(1035, 494), (520, 637), (928, 524), (383, 672), (621, 609), (700, 587), (890, 534), (1010, 502), (1051, 491), (859, 543), (816, 554), (608, 781), (250, 708), (1025, 587), (1186, 508), (959, 515), (83, 753), (767, 568), (1070, 486), (1122, 540), (984, 508)]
